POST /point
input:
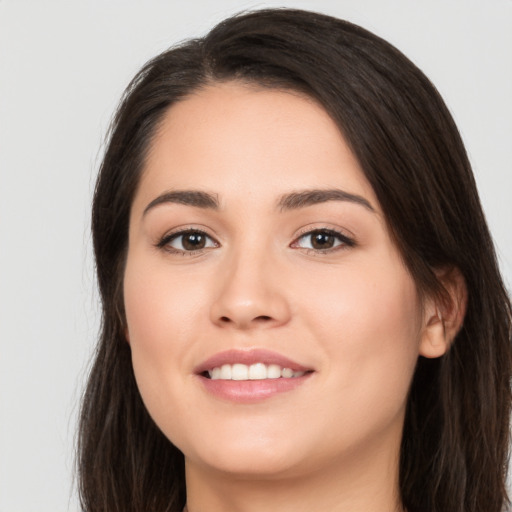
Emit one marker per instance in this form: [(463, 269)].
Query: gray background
[(63, 66)]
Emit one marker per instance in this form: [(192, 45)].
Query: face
[(273, 326)]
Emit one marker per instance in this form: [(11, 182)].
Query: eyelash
[(344, 240), (167, 239)]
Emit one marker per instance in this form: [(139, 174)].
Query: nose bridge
[(248, 292)]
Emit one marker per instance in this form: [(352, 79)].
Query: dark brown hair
[(456, 433)]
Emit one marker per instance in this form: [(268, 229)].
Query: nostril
[(261, 318)]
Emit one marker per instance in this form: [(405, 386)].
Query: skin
[(351, 313)]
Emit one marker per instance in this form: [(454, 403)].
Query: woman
[(301, 302)]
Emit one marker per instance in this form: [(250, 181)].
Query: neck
[(356, 484)]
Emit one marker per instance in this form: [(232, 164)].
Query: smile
[(248, 376), (256, 371)]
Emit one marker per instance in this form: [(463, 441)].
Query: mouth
[(248, 376), (256, 371), (253, 364)]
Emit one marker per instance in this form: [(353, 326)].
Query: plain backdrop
[(63, 67)]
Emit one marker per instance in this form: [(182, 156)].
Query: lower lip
[(251, 391)]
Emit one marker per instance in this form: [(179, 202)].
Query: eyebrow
[(296, 200), (187, 197), (287, 202)]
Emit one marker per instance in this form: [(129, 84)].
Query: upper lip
[(249, 357)]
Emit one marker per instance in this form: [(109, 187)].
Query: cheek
[(368, 322), (161, 307), (162, 310), (375, 302)]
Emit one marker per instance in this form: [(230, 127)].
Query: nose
[(250, 295)]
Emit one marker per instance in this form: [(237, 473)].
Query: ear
[(127, 335), (444, 314)]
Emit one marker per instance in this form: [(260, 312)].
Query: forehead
[(240, 139)]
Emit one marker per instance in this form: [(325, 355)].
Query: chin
[(248, 456), (252, 465)]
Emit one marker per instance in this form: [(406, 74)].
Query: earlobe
[(444, 315), (127, 335)]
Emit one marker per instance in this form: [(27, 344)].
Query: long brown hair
[(456, 433)]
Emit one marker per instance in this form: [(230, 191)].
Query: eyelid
[(348, 240), (163, 242)]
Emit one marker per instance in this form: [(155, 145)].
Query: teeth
[(273, 371), (287, 373), (225, 372), (239, 372), (257, 371)]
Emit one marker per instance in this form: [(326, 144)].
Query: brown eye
[(193, 241), (323, 240), (187, 241)]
